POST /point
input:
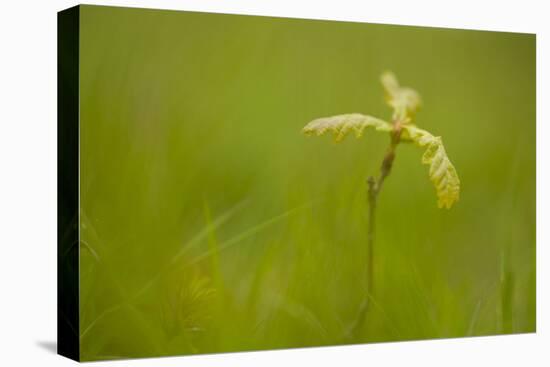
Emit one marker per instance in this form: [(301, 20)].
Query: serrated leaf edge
[(342, 125), (442, 172)]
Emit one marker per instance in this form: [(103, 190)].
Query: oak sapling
[(405, 102)]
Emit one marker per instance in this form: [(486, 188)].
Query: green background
[(209, 223)]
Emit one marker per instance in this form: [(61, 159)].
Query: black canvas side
[(67, 183)]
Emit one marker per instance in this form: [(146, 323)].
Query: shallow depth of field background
[(211, 224)]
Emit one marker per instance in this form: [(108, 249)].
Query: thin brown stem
[(374, 188)]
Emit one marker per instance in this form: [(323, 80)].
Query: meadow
[(210, 223)]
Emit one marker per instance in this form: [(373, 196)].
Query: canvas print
[(235, 183)]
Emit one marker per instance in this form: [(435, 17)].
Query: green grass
[(209, 223)]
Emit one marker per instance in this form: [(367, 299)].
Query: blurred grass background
[(209, 223)]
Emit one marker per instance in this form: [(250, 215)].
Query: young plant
[(405, 102)]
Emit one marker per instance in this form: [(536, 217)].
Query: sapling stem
[(374, 188)]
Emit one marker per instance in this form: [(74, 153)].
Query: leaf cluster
[(405, 102)]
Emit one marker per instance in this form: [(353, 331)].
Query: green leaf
[(442, 172), (404, 101), (342, 125)]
